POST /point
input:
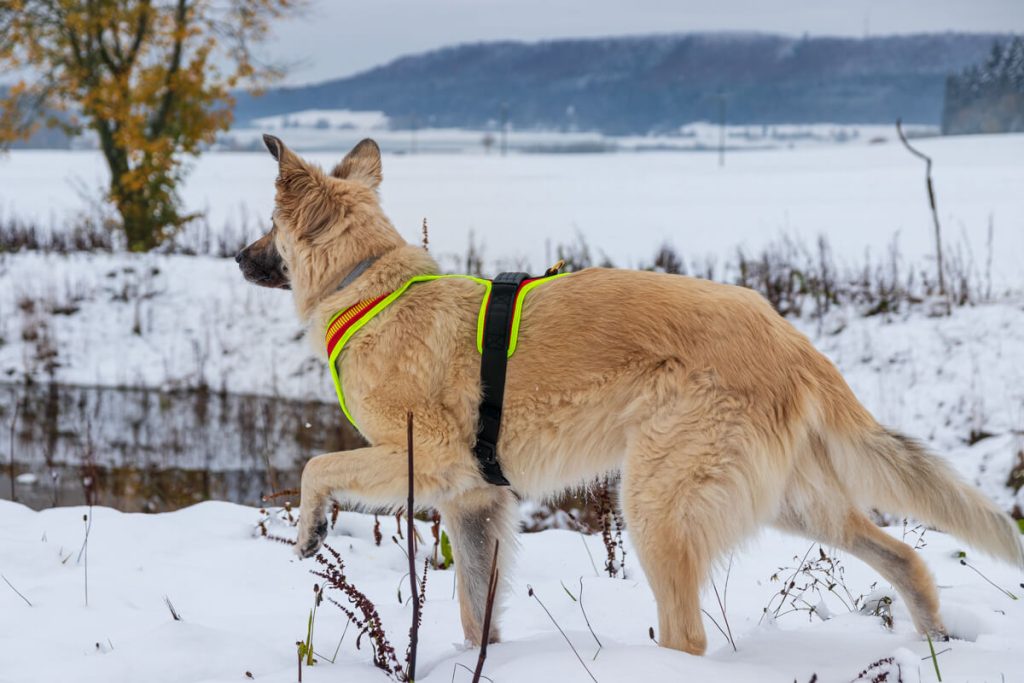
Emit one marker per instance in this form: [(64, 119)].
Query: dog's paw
[(310, 542)]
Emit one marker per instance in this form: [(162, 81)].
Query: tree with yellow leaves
[(151, 79)]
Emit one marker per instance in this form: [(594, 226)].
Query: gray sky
[(335, 38)]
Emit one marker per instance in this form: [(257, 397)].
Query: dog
[(721, 417)]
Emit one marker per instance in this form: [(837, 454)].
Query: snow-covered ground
[(520, 207), (244, 602)]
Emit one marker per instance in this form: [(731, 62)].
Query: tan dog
[(720, 416)]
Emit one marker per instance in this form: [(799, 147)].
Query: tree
[(988, 97), (151, 79)]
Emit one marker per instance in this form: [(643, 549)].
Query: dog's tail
[(896, 474)]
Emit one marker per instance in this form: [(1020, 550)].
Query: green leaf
[(935, 659), (307, 648), (446, 550), (1020, 523)]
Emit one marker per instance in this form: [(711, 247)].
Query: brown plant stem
[(414, 630), (492, 589), (14, 426)]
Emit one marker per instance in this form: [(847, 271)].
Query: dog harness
[(497, 334)]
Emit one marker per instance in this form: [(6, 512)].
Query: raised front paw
[(311, 537)]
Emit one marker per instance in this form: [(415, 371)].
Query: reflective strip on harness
[(344, 324)]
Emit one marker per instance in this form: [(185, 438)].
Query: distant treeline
[(637, 85), (988, 97)]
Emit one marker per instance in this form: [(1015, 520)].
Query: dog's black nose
[(238, 256)]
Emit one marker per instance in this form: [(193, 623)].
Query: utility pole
[(504, 128)]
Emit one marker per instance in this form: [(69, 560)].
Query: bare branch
[(141, 29), (931, 201), (159, 120)]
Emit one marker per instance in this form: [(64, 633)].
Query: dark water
[(151, 450)]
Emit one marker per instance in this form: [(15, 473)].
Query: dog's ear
[(305, 199), (274, 145), (362, 165), (285, 158)]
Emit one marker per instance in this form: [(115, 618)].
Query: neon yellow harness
[(346, 323)]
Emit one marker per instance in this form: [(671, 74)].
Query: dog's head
[(323, 224)]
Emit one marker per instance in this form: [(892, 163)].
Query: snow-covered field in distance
[(327, 129), (625, 205)]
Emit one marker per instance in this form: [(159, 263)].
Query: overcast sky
[(335, 38)]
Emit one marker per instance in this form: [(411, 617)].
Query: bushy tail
[(897, 475)]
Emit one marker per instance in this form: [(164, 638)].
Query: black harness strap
[(494, 361)]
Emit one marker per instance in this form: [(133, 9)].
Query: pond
[(154, 451)]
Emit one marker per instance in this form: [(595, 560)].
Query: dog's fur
[(720, 416)]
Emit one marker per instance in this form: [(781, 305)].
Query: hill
[(654, 83)]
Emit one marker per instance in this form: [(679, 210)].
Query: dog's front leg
[(475, 520), (377, 476)]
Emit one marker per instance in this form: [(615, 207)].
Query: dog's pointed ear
[(274, 145), (305, 201), (286, 159), (362, 165)]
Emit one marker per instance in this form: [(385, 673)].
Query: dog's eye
[(284, 268)]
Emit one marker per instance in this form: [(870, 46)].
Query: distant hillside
[(642, 84)]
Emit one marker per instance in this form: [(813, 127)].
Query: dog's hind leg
[(475, 521), (897, 562), (691, 491)]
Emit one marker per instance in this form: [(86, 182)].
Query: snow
[(333, 129), (325, 118), (154, 321), (626, 204), (939, 379), (244, 602)]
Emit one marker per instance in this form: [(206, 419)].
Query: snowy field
[(339, 129), (244, 602), (626, 205), (165, 321)]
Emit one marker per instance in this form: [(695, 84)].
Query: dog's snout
[(261, 264)]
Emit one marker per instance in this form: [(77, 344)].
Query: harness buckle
[(486, 452)]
